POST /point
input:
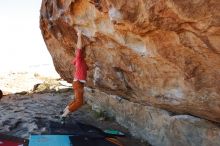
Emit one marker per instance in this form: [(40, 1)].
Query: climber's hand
[(79, 32), (92, 2)]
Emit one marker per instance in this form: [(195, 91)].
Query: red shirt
[(80, 66)]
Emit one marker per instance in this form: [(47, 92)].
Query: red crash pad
[(9, 143), (6, 140)]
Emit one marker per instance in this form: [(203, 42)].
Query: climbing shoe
[(63, 120)]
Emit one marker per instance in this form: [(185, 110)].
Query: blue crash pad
[(49, 140)]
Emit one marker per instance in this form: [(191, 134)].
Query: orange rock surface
[(164, 53)]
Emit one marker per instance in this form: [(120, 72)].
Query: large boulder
[(164, 53)]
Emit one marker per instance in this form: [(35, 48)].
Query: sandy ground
[(33, 109), (25, 78)]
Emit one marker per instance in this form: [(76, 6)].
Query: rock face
[(164, 53), (158, 127)]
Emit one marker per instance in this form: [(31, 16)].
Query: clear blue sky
[(21, 42)]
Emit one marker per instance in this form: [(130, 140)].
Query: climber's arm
[(79, 40)]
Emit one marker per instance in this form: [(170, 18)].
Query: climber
[(79, 79)]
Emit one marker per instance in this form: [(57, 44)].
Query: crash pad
[(49, 140), (7, 140), (9, 143)]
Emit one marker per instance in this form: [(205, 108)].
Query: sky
[(21, 42)]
